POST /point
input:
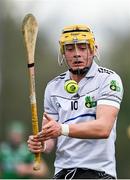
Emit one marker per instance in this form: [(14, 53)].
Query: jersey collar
[(93, 70)]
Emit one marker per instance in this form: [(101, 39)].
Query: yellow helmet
[(77, 34)]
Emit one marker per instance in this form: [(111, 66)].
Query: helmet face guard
[(76, 34)]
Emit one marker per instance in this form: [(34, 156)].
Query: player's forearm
[(99, 128), (49, 145), (92, 129)]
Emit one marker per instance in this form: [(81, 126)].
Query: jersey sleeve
[(111, 91), (49, 105)]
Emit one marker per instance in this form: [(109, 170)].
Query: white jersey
[(99, 86)]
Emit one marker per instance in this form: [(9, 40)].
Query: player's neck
[(76, 77)]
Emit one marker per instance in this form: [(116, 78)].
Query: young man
[(81, 108)]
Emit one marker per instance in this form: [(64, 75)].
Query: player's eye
[(70, 47), (82, 46)]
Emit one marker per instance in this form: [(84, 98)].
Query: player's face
[(78, 56)]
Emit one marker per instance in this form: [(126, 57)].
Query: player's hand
[(34, 145), (51, 129)]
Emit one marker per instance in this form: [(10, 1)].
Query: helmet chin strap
[(80, 71)]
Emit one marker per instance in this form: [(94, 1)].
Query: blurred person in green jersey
[(16, 161)]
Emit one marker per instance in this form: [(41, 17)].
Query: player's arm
[(96, 128), (99, 128), (108, 105)]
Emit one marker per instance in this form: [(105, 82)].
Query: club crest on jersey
[(90, 102), (114, 86)]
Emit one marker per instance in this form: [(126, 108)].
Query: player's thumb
[(47, 116)]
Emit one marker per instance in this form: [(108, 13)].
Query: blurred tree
[(2, 5), (119, 56)]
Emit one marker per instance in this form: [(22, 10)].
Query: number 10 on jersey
[(74, 105)]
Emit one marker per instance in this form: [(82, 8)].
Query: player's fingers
[(35, 150), (35, 147), (33, 142), (32, 138), (44, 132)]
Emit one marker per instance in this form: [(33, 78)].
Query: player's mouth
[(78, 63)]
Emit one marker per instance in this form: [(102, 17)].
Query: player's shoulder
[(57, 79), (106, 72), (108, 76)]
